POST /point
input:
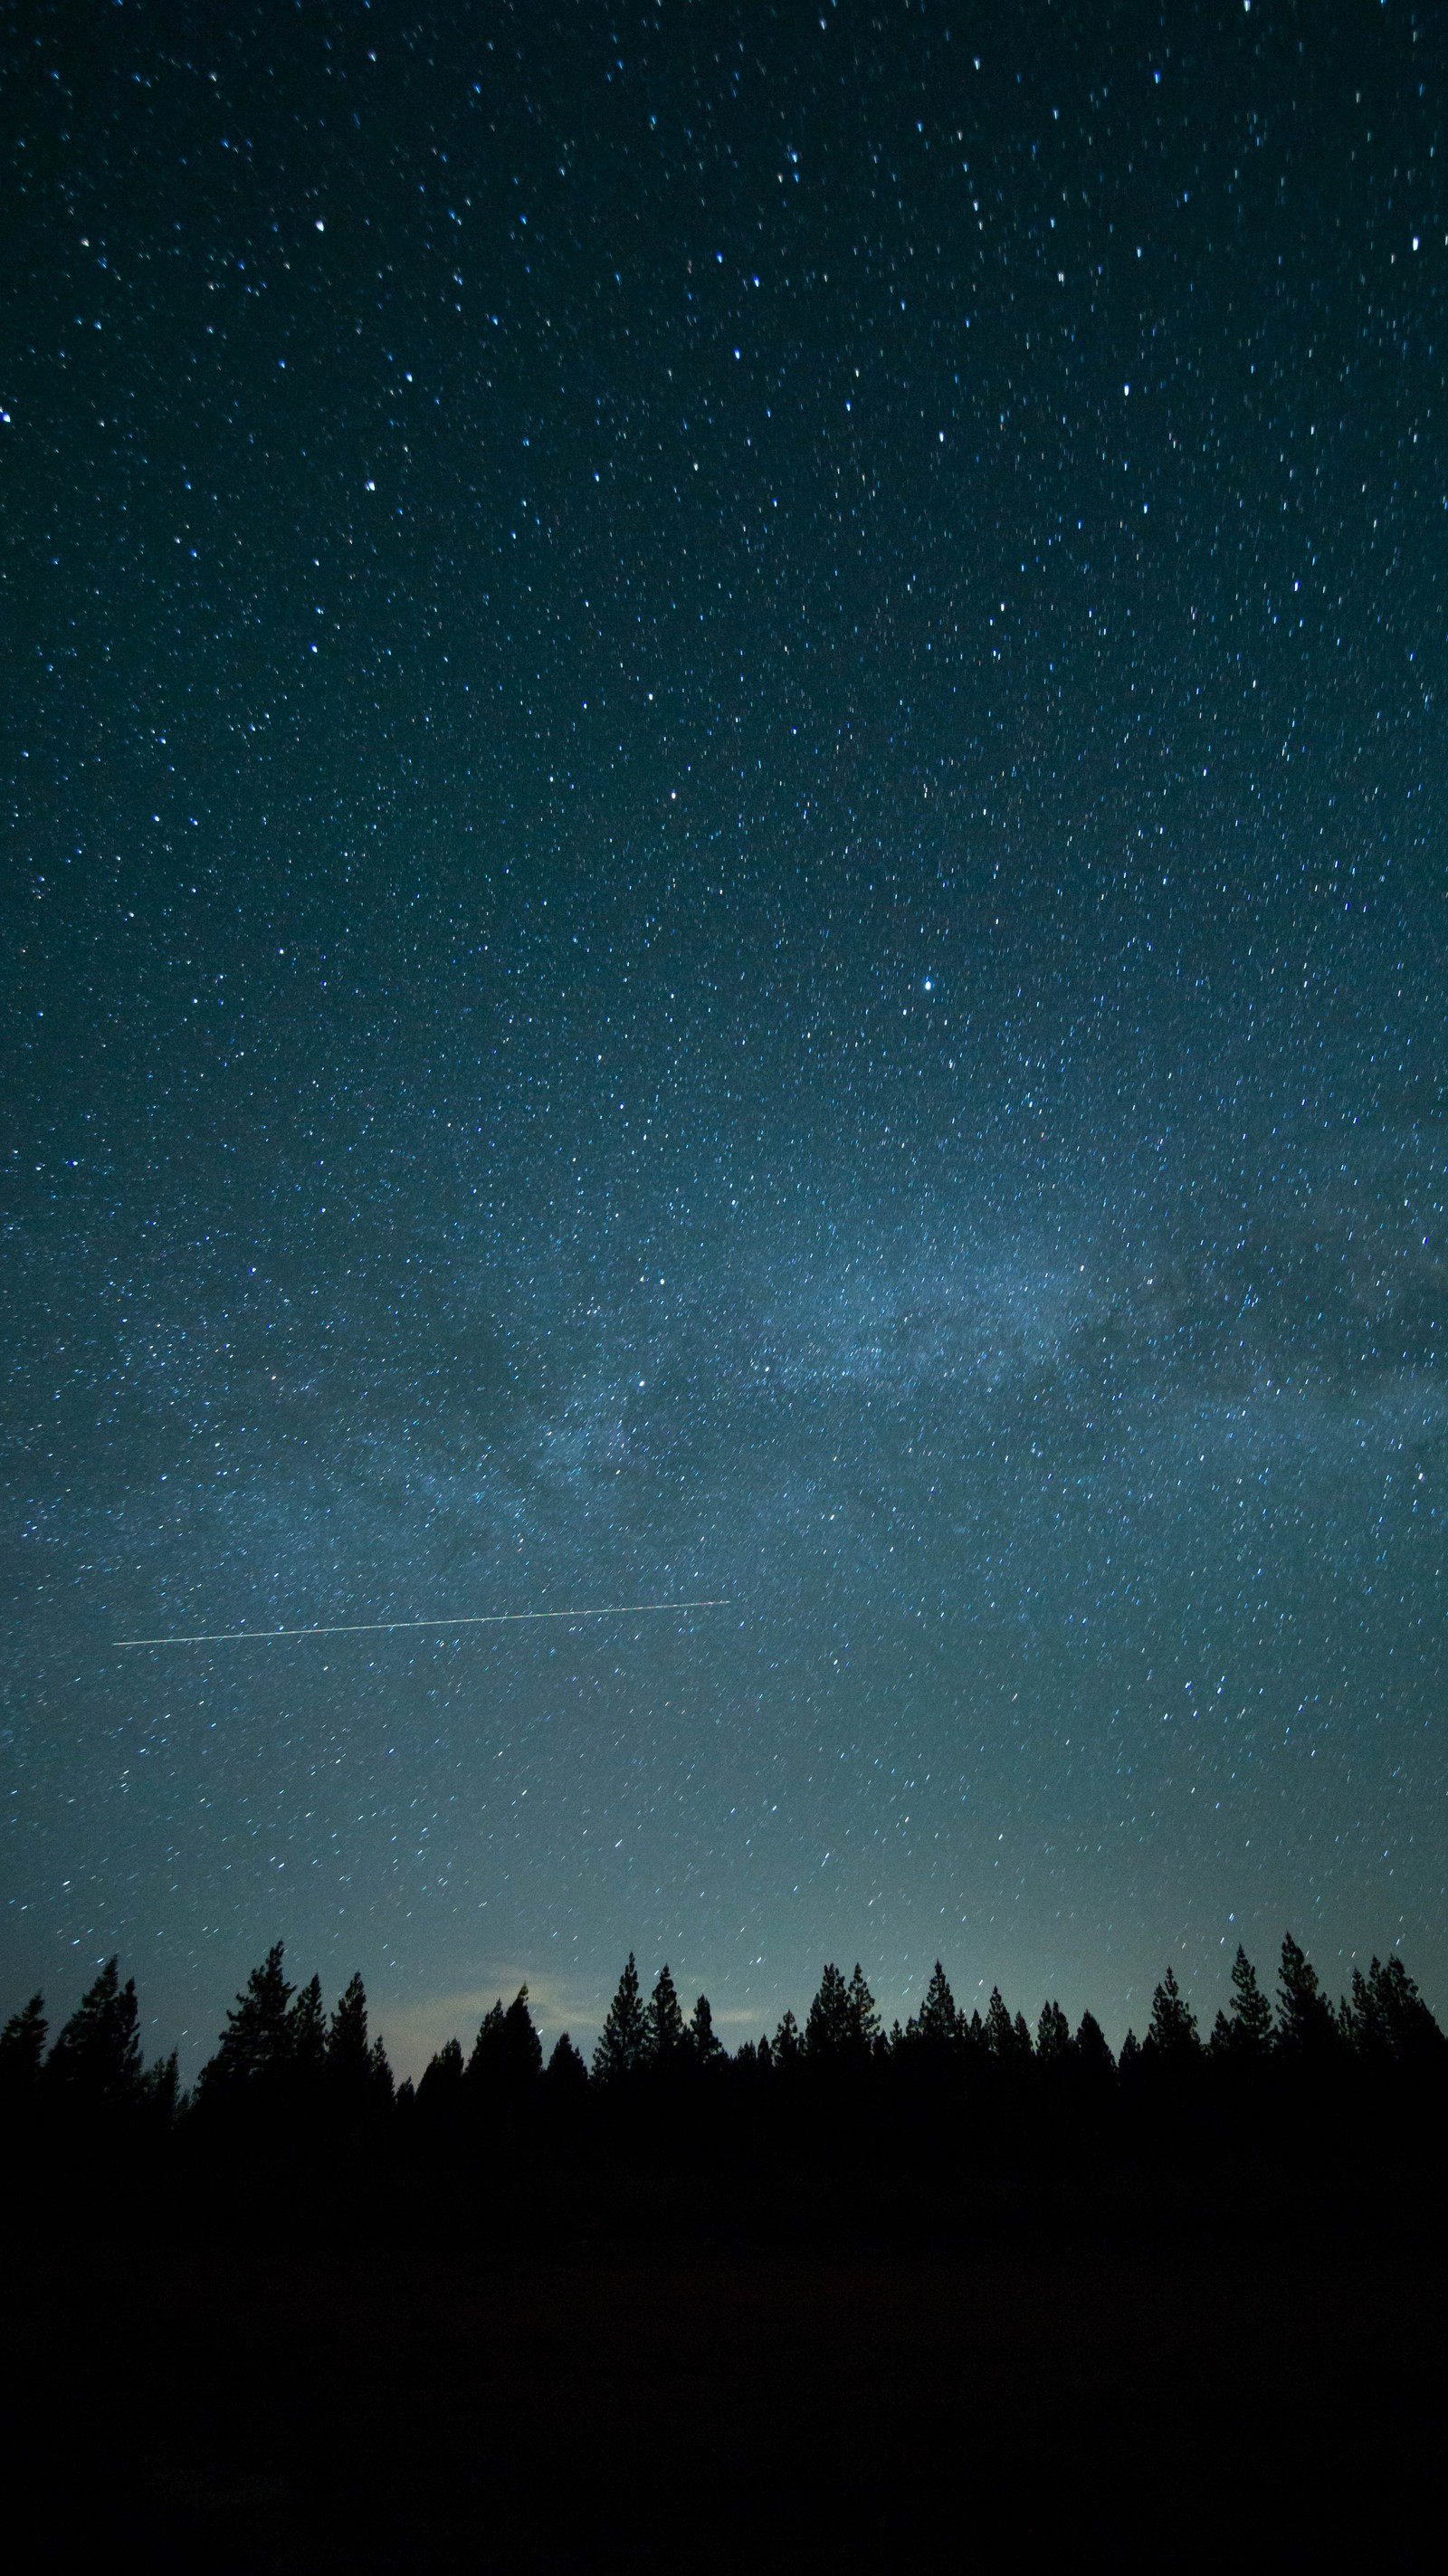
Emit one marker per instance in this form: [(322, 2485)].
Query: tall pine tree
[(1172, 2031), (1053, 2036), (96, 2059), (22, 2048), (1307, 2028), (565, 2076), (829, 2024), (864, 2017), (485, 2065), (704, 2047), (1246, 2028), (307, 2042), (351, 2068), (256, 2046), (1091, 2050), (507, 2056), (160, 2091), (521, 2052), (786, 2051), (622, 2049), (440, 2090), (937, 2025), (1387, 2017), (1000, 2030), (665, 2041)]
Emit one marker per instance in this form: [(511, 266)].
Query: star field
[(727, 802)]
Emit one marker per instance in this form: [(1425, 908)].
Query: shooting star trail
[(380, 1627)]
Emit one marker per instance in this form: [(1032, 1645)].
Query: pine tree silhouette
[(307, 2033), (829, 2024), (160, 2091), (704, 2048), (786, 2051), (1000, 2030), (22, 2048), (565, 2075), (843, 2025), (1358, 2019), (96, 2059), (665, 2043), (520, 2051), (1053, 2036), (507, 2055), (1248, 2025), (938, 2023), (1090, 2048), (485, 2065), (1387, 2017), (95, 2065), (256, 2045), (622, 2049), (1172, 2031), (440, 2090), (1307, 2028), (864, 2018), (274, 2037), (351, 2072)]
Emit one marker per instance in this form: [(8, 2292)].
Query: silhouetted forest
[(285, 2062), (819, 2303)]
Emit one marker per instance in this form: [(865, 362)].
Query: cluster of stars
[(731, 792)]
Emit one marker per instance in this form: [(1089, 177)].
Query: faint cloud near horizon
[(415, 2031)]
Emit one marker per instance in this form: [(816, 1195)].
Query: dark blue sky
[(728, 790)]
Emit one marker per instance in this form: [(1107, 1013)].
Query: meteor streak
[(378, 1627)]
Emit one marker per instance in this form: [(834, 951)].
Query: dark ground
[(333, 2370)]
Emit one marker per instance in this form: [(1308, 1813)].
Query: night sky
[(726, 735)]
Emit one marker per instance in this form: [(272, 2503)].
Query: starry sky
[(727, 782)]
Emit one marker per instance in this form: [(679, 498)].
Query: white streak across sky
[(380, 1627)]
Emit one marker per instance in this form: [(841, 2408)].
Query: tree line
[(282, 2049)]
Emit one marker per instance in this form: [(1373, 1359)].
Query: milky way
[(728, 801)]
